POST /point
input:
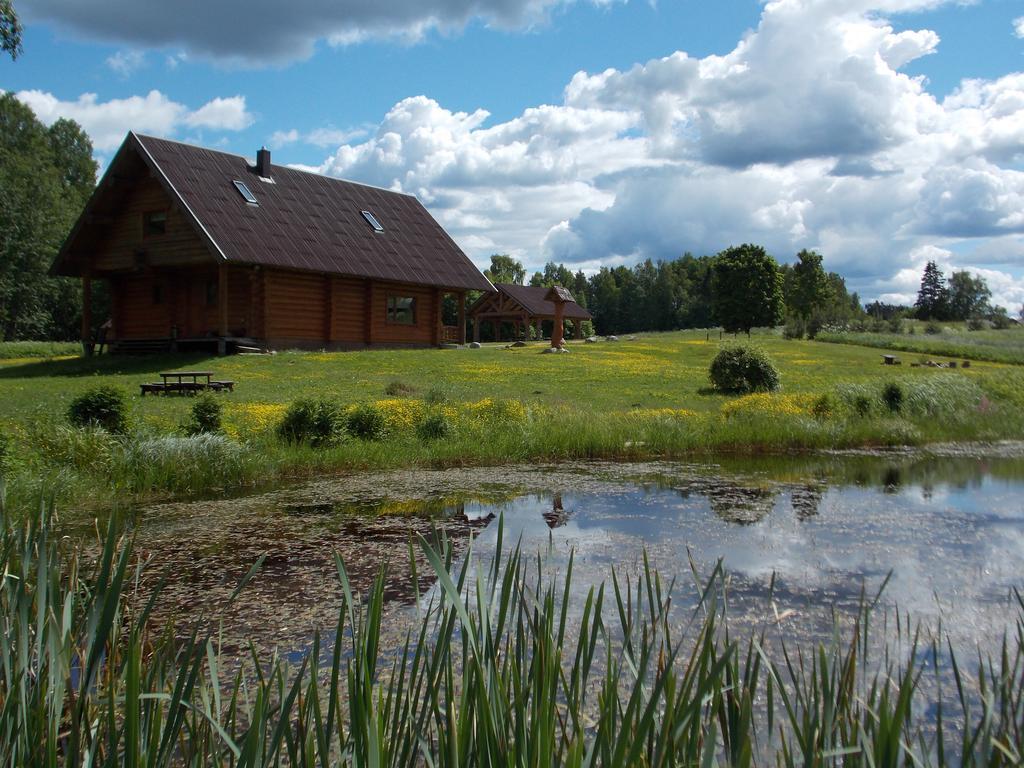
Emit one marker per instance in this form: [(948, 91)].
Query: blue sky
[(882, 133)]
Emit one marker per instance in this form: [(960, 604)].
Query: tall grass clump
[(506, 664), (104, 406), (316, 421), (742, 369), (181, 463)]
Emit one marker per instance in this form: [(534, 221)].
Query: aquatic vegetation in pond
[(504, 662)]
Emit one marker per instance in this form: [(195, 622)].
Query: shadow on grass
[(104, 365)]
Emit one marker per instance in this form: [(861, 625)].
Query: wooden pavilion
[(524, 306)]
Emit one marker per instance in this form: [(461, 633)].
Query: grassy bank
[(502, 666), (630, 400), (953, 341)]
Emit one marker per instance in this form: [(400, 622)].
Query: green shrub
[(823, 406), (743, 369), (862, 405), (435, 426), (367, 422), (206, 415), (794, 328), (103, 406), (976, 324), (932, 328), (896, 325), (317, 421), (892, 396), (1000, 320)]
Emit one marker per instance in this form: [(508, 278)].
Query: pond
[(799, 537)]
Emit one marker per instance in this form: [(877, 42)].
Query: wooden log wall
[(124, 246)]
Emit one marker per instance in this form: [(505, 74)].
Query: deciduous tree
[(505, 269), (747, 288), (10, 29), (46, 175), (968, 296)]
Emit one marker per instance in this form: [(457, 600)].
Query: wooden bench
[(220, 386), (152, 389), (890, 360)]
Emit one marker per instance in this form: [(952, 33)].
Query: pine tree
[(932, 297)]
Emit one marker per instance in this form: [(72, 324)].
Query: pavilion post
[(579, 328), (87, 346), (476, 329), (222, 309)]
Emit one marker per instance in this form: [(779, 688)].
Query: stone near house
[(474, 345), (591, 339), (519, 343), (611, 338)]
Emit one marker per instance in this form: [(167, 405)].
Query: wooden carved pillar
[(578, 324), (558, 331), (87, 347), (462, 317), (476, 329)]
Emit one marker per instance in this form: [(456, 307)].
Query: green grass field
[(629, 399), (955, 341)]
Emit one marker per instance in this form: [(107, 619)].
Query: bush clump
[(367, 422), (436, 426), (892, 396), (103, 406), (743, 369), (206, 415), (316, 421)]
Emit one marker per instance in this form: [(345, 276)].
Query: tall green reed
[(504, 664)]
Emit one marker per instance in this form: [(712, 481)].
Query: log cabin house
[(202, 248)]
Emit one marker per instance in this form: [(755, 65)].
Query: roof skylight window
[(372, 221), (246, 192)]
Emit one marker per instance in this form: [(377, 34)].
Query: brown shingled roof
[(532, 298), (305, 220)]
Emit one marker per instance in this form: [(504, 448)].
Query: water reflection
[(950, 529)]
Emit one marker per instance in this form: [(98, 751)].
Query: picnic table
[(186, 382)]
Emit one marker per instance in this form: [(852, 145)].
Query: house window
[(154, 223), (158, 293), (211, 293), (402, 310)]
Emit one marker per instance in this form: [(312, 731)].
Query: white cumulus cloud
[(107, 122)]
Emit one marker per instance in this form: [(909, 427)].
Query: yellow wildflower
[(768, 404)]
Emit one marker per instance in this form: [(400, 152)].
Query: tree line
[(740, 288)]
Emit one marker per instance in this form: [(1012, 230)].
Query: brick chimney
[(263, 162)]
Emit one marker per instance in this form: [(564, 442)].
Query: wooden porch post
[(462, 317), (87, 347), (476, 329), (579, 328), (222, 308)]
